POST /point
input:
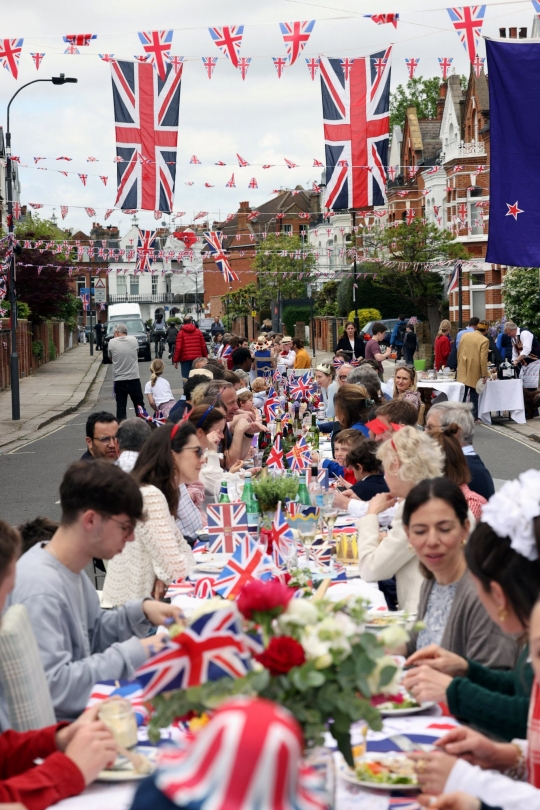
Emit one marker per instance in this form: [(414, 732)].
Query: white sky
[(263, 118)]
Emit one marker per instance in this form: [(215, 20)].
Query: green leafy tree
[(326, 301), (406, 250), (277, 275), (420, 93), (521, 297)]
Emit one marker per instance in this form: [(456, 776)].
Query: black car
[(136, 328)]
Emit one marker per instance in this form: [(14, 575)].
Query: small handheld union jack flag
[(275, 457), (281, 533), (246, 564), (157, 419), (301, 387), (299, 457), (227, 525), (210, 649)]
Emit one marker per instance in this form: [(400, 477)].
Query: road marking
[(24, 453), (11, 452), (503, 432)]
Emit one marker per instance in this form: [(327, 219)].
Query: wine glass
[(307, 526), (330, 516)]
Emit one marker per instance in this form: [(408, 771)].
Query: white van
[(117, 312)]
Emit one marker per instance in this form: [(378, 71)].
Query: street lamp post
[(14, 359)]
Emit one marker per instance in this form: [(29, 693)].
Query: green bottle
[(314, 433), (252, 505), (303, 493), (223, 494)]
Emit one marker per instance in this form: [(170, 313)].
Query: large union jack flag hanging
[(214, 240), (295, 36), (146, 111), (145, 250), (227, 525), (211, 648), (229, 40), (157, 45), (246, 564), (468, 24), (10, 53), (356, 125)]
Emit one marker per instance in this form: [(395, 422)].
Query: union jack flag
[(90, 211), (320, 552), (301, 387), (454, 278), (209, 62), (157, 45), (106, 57), (227, 524), (72, 49), (243, 65), (241, 161), (158, 418), (410, 215), (176, 61), (445, 63), (412, 64), (83, 178), (231, 183), (270, 408), (381, 19), (281, 532), (16, 208), (145, 251), (295, 36), (313, 65), (478, 64), (103, 179), (146, 111), (79, 39), (468, 24), (300, 457), (275, 457), (10, 53), (214, 240), (229, 40), (38, 59), (412, 171), (246, 564), (103, 690), (253, 183), (356, 122), (210, 649), (433, 170), (346, 64), (279, 63)]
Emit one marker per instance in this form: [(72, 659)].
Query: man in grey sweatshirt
[(80, 643)]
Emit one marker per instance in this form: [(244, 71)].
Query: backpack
[(402, 327)]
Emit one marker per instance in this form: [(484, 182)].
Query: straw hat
[(261, 340)]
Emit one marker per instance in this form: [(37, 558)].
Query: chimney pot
[(502, 33), (523, 33), (512, 33)]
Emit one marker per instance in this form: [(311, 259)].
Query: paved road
[(31, 474)]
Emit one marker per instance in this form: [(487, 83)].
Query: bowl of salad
[(381, 772)]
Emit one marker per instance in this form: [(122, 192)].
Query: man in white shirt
[(124, 353), (287, 355), (522, 343), (131, 436)]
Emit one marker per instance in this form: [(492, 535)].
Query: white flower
[(209, 606), (313, 646), (374, 677), (332, 634), (393, 636), (299, 613), (511, 511)]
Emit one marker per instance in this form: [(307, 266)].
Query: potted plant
[(271, 489)]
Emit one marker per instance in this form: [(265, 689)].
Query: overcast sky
[(263, 119)]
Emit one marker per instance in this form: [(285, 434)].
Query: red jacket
[(189, 344), (36, 786), (443, 347)]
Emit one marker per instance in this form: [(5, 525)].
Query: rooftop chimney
[(502, 33), (523, 33), (512, 33)]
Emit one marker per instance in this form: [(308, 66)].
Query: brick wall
[(324, 331), (27, 333)]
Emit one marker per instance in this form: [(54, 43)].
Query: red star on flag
[(513, 210)]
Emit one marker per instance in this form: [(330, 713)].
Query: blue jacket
[(394, 336), (333, 467)]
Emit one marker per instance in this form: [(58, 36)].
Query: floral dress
[(436, 617)]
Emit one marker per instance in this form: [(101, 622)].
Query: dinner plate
[(411, 710), (124, 770), (349, 776)]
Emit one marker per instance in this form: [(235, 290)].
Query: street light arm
[(13, 97)]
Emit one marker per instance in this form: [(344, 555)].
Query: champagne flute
[(329, 517)]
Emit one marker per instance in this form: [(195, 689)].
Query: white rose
[(299, 613), (393, 636), (313, 646), (374, 677)]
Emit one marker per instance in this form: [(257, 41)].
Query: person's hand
[(315, 457), (432, 770), (160, 612), (256, 427), (426, 684), (12, 806), (92, 749), (64, 735), (237, 466), (175, 365), (160, 589), (451, 801), (380, 503), (442, 660), (152, 645), (342, 483), (342, 500), (467, 744), (213, 438)]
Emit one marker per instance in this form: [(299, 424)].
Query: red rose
[(263, 597), (281, 655)]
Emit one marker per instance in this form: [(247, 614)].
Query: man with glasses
[(343, 373), (101, 430), (79, 642)]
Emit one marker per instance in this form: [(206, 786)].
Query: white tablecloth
[(453, 390), (502, 395)]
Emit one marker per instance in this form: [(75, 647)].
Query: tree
[(420, 93), (47, 292), (521, 297), (282, 276), (326, 300), (406, 251)]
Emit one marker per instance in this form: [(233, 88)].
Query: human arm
[(178, 348), (170, 555), (465, 743), (204, 349), (241, 442), (333, 467), (380, 560), (394, 336), (484, 351), (492, 788), (152, 401)]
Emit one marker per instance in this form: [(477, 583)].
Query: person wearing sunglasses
[(159, 554)]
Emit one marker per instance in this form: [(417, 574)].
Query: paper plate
[(124, 771), (350, 776)]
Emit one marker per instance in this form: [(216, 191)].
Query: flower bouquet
[(310, 655)]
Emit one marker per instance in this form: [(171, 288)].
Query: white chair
[(28, 700)]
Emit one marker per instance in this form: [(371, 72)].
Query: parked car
[(135, 327), (388, 322), (205, 325)]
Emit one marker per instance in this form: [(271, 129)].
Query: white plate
[(349, 776), (125, 771), (403, 712)]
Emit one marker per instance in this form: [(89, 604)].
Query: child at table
[(362, 460), (344, 442), (244, 399), (259, 387)]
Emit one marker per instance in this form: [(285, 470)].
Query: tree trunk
[(434, 319)]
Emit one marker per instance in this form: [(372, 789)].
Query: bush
[(52, 350), (292, 315), (38, 349), (371, 295), (23, 310), (365, 315), (520, 296)]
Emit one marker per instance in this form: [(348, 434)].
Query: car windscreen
[(134, 326)]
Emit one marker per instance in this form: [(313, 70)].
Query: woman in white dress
[(158, 554)]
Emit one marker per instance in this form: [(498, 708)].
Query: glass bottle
[(314, 433), (223, 494), (303, 492), (252, 505), (315, 489), (297, 423)]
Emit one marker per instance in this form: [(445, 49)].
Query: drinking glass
[(330, 516), (118, 715)]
